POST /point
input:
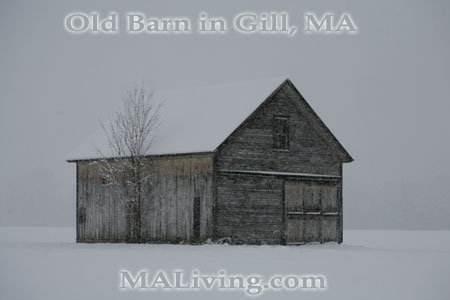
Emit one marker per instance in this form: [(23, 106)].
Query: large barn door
[(311, 213)]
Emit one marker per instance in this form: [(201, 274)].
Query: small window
[(281, 133)]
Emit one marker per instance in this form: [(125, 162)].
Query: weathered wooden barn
[(251, 162)]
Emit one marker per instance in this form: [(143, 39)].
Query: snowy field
[(45, 263)]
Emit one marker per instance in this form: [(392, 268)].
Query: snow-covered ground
[(45, 263)]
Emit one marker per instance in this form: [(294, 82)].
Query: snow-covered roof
[(194, 120)]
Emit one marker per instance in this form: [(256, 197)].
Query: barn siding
[(105, 213), (249, 208), (254, 209), (166, 204), (167, 212)]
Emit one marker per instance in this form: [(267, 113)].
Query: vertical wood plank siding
[(168, 211), (166, 205), (249, 208)]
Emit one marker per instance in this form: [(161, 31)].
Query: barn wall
[(249, 208), (167, 212), (166, 204), (254, 209), (105, 214), (251, 146)]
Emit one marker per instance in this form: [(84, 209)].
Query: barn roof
[(201, 119)]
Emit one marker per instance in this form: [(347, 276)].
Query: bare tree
[(130, 133)]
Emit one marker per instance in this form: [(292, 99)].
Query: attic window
[(280, 133)]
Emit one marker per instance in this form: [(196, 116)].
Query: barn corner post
[(214, 233), (138, 216), (77, 195), (283, 235), (340, 208)]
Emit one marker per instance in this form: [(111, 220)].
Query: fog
[(383, 92)]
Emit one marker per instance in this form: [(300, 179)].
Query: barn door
[(196, 223), (294, 209), (311, 213)]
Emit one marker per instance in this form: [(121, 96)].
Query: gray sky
[(384, 93)]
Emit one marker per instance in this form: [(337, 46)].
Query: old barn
[(249, 162)]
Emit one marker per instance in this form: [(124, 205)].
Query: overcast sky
[(384, 93)]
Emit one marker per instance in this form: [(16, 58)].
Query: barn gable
[(312, 146), (286, 101)]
